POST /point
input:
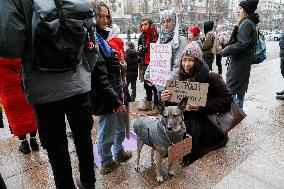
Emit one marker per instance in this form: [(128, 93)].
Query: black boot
[(24, 147), (280, 97), (33, 143), (280, 93)]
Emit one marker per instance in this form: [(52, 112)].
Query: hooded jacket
[(241, 51)]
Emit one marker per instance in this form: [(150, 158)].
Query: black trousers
[(52, 134), (133, 88), (219, 63), (2, 183)]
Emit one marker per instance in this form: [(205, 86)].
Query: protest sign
[(196, 92), (160, 63), (179, 150)]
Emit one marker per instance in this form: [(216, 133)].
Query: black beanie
[(208, 26), (249, 5)]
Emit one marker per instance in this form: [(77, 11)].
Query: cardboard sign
[(179, 150), (196, 92), (160, 63)]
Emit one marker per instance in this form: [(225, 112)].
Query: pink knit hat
[(192, 49)]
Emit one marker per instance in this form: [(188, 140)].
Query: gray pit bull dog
[(160, 134)]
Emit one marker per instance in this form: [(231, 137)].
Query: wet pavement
[(252, 158)]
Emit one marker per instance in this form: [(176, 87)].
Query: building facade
[(271, 14)]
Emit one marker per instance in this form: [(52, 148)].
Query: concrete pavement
[(252, 158)]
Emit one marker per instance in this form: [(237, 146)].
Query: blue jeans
[(239, 100), (110, 135)]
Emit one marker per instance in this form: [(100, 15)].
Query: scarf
[(166, 37), (107, 50), (151, 37)]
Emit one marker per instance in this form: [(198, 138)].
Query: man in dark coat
[(241, 50), (132, 68), (280, 95)]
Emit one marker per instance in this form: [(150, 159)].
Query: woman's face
[(167, 24), (103, 19), (145, 24), (190, 36), (187, 63), (241, 12)]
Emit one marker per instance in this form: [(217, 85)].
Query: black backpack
[(61, 30)]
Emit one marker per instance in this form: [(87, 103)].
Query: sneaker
[(82, 185), (34, 145), (124, 156), (24, 147), (109, 168)]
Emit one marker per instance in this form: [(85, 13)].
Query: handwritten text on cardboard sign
[(160, 63), (196, 92)]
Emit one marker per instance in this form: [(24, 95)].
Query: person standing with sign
[(169, 34), (205, 137), (148, 35)]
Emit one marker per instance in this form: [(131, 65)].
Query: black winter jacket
[(132, 64), (106, 89)]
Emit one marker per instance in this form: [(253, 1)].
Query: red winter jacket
[(20, 114), (118, 45)]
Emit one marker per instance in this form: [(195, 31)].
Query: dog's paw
[(137, 168), (171, 173), (160, 179)]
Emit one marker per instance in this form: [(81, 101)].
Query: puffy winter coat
[(20, 114)]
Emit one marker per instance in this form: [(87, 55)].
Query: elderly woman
[(205, 137)]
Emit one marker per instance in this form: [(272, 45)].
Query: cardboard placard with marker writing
[(160, 63), (196, 92)]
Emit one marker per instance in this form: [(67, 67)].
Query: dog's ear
[(182, 104), (160, 107)]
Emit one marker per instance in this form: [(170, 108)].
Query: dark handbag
[(226, 121)]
